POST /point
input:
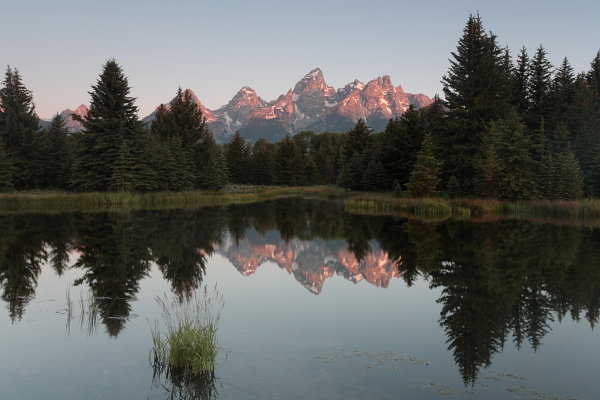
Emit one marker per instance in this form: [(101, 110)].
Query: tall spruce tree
[(401, 143), (522, 82), (262, 162), (352, 156), (18, 125), (182, 130), (424, 179), (6, 170), (51, 156), (508, 160), (539, 88), (111, 153), (211, 163), (237, 153), (288, 171), (477, 88), (562, 95), (593, 76)]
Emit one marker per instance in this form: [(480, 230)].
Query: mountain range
[(310, 105)]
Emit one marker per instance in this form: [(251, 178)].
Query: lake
[(317, 304)]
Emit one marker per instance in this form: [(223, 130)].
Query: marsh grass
[(439, 208), (187, 345), (48, 201)]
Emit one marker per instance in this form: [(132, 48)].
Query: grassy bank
[(66, 201), (379, 204), (354, 202)]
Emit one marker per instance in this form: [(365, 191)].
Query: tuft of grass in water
[(188, 344), (89, 312)]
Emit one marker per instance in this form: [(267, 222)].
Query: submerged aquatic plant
[(88, 312), (187, 344)]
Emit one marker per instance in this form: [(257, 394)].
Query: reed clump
[(380, 205), (188, 343)]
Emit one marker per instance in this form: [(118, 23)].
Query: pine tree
[(18, 125), (263, 162), (562, 94), (401, 142), (237, 154), (522, 82), (478, 90), (541, 153), (490, 173), (61, 152), (511, 163), (112, 138), (593, 76), (50, 156), (569, 182), (352, 160), (287, 169), (6, 170), (374, 177), (181, 122), (539, 88), (424, 178), (211, 164)]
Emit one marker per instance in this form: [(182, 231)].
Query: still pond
[(317, 304)]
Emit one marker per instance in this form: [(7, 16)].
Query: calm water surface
[(318, 304)]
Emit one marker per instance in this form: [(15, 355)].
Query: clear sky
[(216, 47)]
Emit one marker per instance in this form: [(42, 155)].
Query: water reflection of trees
[(502, 281)]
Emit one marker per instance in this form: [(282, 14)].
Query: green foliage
[(189, 342), (374, 177), (288, 163), (262, 162), (237, 153), (478, 89), (6, 170), (508, 170), (424, 179), (18, 126), (401, 142), (352, 156), (109, 156), (539, 88)]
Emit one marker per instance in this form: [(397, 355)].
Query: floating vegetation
[(369, 360), (184, 351)]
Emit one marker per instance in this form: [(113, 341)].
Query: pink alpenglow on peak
[(310, 105)]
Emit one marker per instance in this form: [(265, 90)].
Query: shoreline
[(365, 203)]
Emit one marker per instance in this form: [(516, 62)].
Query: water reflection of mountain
[(310, 262), (500, 281)]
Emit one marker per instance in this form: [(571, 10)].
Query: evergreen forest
[(510, 126)]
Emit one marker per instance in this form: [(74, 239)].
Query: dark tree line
[(509, 129)]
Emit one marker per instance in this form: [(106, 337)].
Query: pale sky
[(216, 47)]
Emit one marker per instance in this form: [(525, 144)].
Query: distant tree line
[(505, 129)]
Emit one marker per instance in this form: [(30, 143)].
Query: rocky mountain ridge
[(310, 105)]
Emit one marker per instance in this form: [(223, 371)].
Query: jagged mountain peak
[(310, 105), (246, 96)]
